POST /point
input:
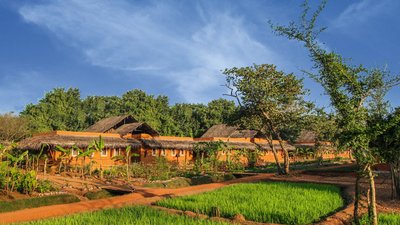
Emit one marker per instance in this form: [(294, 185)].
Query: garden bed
[(274, 202)]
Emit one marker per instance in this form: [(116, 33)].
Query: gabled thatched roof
[(136, 128), (67, 141), (219, 130), (223, 130), (168, 144), (306, 136), (109, 123), (244, 134)]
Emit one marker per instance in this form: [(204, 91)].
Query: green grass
[(385, 219), (9, 206), (274, 202), (140, 215)]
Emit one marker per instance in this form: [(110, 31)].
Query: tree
[(13, 128), (270, 98), (348, 87), (60, 109), (100, 107)]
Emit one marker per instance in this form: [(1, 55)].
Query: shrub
[(36, 202), (44, 186)]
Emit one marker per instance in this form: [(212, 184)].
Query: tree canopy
[(63, 109)]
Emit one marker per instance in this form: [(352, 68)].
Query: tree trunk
[(278, 164), (395, 174), (357, 199), (128, 160), (372, 207), (45, 167), (286, 161)]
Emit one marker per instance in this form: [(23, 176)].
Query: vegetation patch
[(275, 202), (9, 206), (174, 183), (384, 219), (104, 193), (128, 215)]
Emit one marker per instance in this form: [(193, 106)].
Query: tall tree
[(348, 87), (273, 98), (60, 109), (100, 107)]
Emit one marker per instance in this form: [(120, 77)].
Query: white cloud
[(155, 39), (362, 11)]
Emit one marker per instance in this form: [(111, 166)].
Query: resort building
[(146, 145)]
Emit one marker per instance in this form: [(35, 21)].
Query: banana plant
[(65, 154), (99, 146), (127, 159), (83, 154), (14, 160)]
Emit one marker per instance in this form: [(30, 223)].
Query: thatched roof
[(136, 128), (306, 136), (67, 141), (109, 123), (168, 144), (223, 130), (267, 147)]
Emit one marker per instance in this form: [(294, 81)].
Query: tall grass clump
[(275, 202), (140, 215)]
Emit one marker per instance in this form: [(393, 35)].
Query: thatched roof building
[(65, 140), (168, 144), (110, 124), (306, 136), (136, 128), (223, 130)]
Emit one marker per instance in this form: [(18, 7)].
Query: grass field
[(385, 219), (140, 215), (36, 202), (274, 202)]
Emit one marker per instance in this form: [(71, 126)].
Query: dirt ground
[(146, 196)]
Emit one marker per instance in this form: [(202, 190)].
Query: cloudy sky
[(175, 48)]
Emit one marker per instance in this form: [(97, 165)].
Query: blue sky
[(174, 48)]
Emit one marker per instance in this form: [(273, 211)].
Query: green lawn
[(140, 215), (37, 202), (273, 202)]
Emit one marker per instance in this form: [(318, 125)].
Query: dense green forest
[(64, 109)]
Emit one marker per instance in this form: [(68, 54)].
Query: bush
[(44, 186), (36, 202), (28, 182)]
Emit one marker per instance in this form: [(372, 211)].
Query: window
[(173, 152), (154, 152), (182, 152), (117, 152), (104, 152), (74, 152), (163, 152)]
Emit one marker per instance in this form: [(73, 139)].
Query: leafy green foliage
[(63, 109), (138, 215), (286, 203), (271, 100), (384, 219), (60, 109), (9, 206)]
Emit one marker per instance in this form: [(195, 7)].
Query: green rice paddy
[(280, 202), (139, 215)]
